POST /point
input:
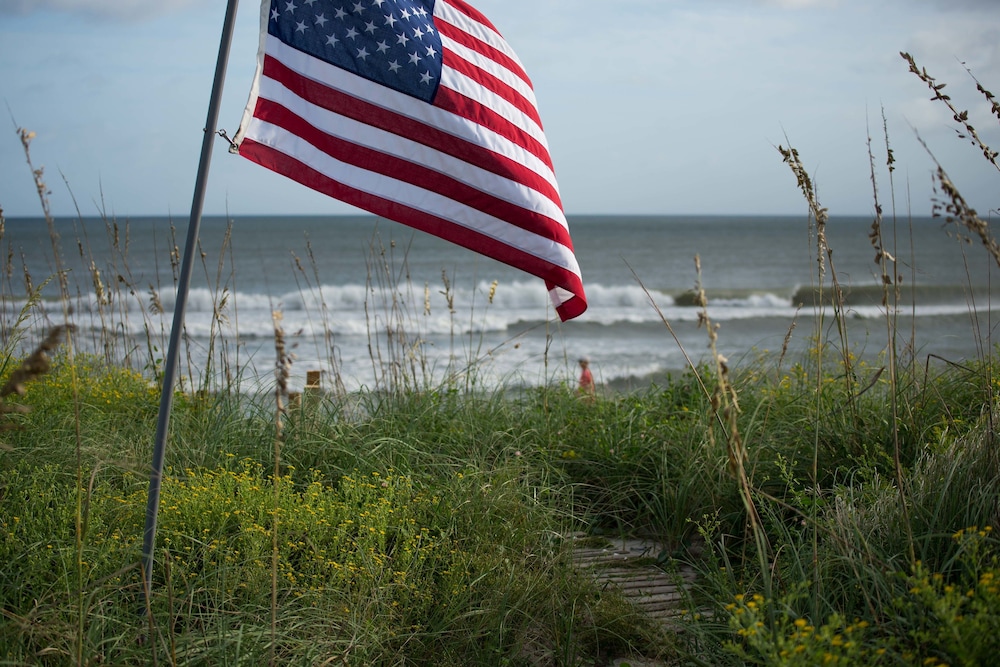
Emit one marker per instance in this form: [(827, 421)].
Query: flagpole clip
[(233, 146)]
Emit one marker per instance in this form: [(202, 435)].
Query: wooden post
[(312, 380), (312, 391)]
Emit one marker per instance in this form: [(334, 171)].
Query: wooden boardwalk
[(629, 566)]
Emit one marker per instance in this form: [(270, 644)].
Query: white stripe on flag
[(491, 66), (463, 85), (482, 33), (389, 143), (404, 105), (399, 191)]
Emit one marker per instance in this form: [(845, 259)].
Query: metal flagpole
[(184, 282)]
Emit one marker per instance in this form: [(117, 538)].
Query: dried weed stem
[(824, 257), (37, 364), (282, 373), (957, 211), (890, 280), (960, 117), (725, 409)]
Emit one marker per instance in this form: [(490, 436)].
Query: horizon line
[(362, 215)]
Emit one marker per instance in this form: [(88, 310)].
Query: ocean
[(370, 303)]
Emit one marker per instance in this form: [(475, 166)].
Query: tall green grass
[(875, 484)]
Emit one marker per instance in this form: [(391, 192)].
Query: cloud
[(947, 50), (963, 4), (799, 4), (102, 9)]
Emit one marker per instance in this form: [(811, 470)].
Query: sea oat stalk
[(957, 211), (726, 409), (282, 373), (37, 364), (960, 117)]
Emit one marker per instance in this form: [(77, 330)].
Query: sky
[(669, 107)]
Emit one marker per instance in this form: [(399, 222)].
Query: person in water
[(586, 386)]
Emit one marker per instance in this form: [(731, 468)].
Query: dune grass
[(419, 535), (837, 511), (429, 528)]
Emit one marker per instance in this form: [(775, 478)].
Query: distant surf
[(351, 288)]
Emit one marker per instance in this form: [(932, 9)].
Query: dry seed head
[(961, 117), (820, 214), (38, 362), (493, 290), (27, 278), (220, 310), (788, 336), (890, 160), (283, 363), (959, 213), (994, 106), (99, 291), (447, 293), (282, 372), (43, 189), (155, 305)]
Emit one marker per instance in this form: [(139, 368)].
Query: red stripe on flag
[(465, 39), (472, 13), (473, 111), (493, 84), (413, 173), (352, 107), (552, 274)]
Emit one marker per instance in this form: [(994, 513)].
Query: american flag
[(417, 111)]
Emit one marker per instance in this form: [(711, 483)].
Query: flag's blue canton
[(392, 42)]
